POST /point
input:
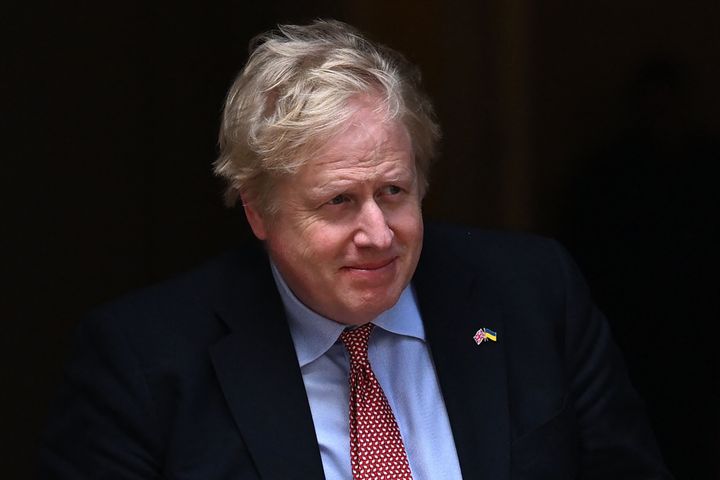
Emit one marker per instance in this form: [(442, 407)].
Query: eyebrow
[(396, 175), (330, 187)]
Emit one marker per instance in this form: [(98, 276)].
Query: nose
[(373, 230)]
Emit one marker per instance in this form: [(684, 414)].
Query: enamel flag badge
[(485, 335)]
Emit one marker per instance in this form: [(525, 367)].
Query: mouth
[(371, 266)]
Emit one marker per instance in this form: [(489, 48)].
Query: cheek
[(300, 237), (407, 221), (324, 244)]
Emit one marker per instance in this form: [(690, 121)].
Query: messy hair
[(292, 95)]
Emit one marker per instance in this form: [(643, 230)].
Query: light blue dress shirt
[(400, 358)]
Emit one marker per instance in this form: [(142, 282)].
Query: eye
[(391, 190), (337, 200)]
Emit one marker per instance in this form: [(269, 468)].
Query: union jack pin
[(485, 335)]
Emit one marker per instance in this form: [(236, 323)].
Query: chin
[(377, 306)]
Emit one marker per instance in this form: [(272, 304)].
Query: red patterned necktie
[(376, 447)]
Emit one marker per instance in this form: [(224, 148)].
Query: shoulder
[(194, 288), (181, 311), (471, 240), (528, 276), (496, 253)]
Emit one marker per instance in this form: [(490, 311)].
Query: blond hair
[(292, 95)]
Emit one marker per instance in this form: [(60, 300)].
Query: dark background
[(593, 121)]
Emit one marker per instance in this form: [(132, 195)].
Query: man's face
[(348, 234)]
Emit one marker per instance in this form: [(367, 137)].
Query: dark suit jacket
[(198, 379)]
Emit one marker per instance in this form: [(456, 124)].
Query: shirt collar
[(313, 334)]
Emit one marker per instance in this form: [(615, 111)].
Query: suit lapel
[(257, 368), (455, 303)]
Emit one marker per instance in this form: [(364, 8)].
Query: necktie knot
[(356, 343)]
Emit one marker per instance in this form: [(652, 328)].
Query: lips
[(370, 266)]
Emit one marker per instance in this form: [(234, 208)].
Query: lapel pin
[(485, 335)]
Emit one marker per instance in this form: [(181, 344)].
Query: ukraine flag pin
[(485, 335)]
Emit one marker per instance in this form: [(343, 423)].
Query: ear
[(254, 217)]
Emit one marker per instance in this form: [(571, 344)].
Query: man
[(355, 343)]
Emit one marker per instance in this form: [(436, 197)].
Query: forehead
[(368, 139)]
